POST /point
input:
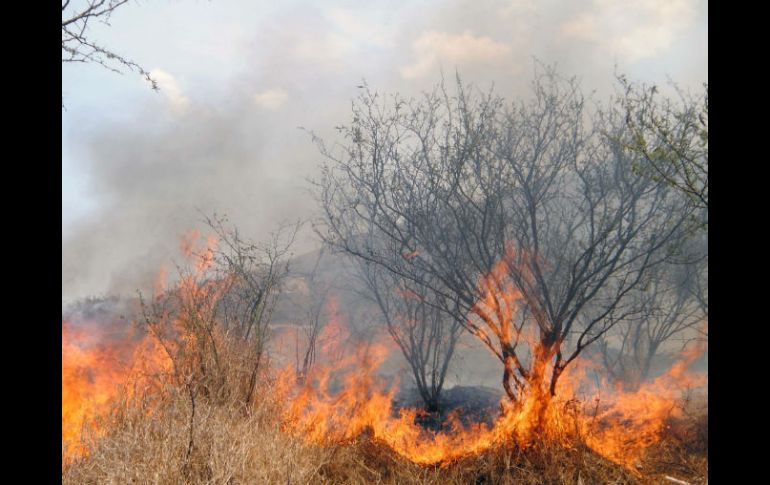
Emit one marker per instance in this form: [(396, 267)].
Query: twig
[(674, 480)]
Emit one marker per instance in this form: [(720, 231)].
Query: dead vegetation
[(203, 405), (156, 437), (211, 406)]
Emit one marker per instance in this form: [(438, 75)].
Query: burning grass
[(234, 445), (186, 401), (307, 434)]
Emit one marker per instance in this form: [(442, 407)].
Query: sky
[(238, 79)]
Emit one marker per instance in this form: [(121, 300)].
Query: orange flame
[(624, 424), (344, 398), (95, 366), (620, 429)]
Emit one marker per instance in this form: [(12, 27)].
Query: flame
[(624, 424), (620, 428), (98, 363), (89, 381), (95, 367), (616, 424), (201, 254), (343, 397)]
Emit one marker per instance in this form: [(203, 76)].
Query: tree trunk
[(534, 405), (508, 377)]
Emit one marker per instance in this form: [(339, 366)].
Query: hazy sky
[(238, 78)]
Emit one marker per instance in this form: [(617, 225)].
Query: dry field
[(154, 431)]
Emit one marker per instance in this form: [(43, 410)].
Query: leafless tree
[(669, 309), (700, 290), (222, 301), (312, 321), (183, 320), (507, 206), (78, 46), (424, 332), (255, 272)]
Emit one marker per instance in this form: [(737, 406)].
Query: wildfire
[(96, 366), (620, 428), (100, 359), (626, 423), (343, 399)]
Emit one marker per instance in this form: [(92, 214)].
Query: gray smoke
[(236, 148)]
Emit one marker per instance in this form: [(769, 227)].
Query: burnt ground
[(472, 404)]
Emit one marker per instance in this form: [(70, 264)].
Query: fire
[(96, 365), (343, 397), (90, 377), (99, 360), (201, 254), (620, 428), (624, 424), (617, 425)]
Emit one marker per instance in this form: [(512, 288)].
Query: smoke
[(230, 143), (151, 182)]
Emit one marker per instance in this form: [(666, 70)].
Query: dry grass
[(198, 422), (370, 462), (683, 451), (232, 445), (147, 442)]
